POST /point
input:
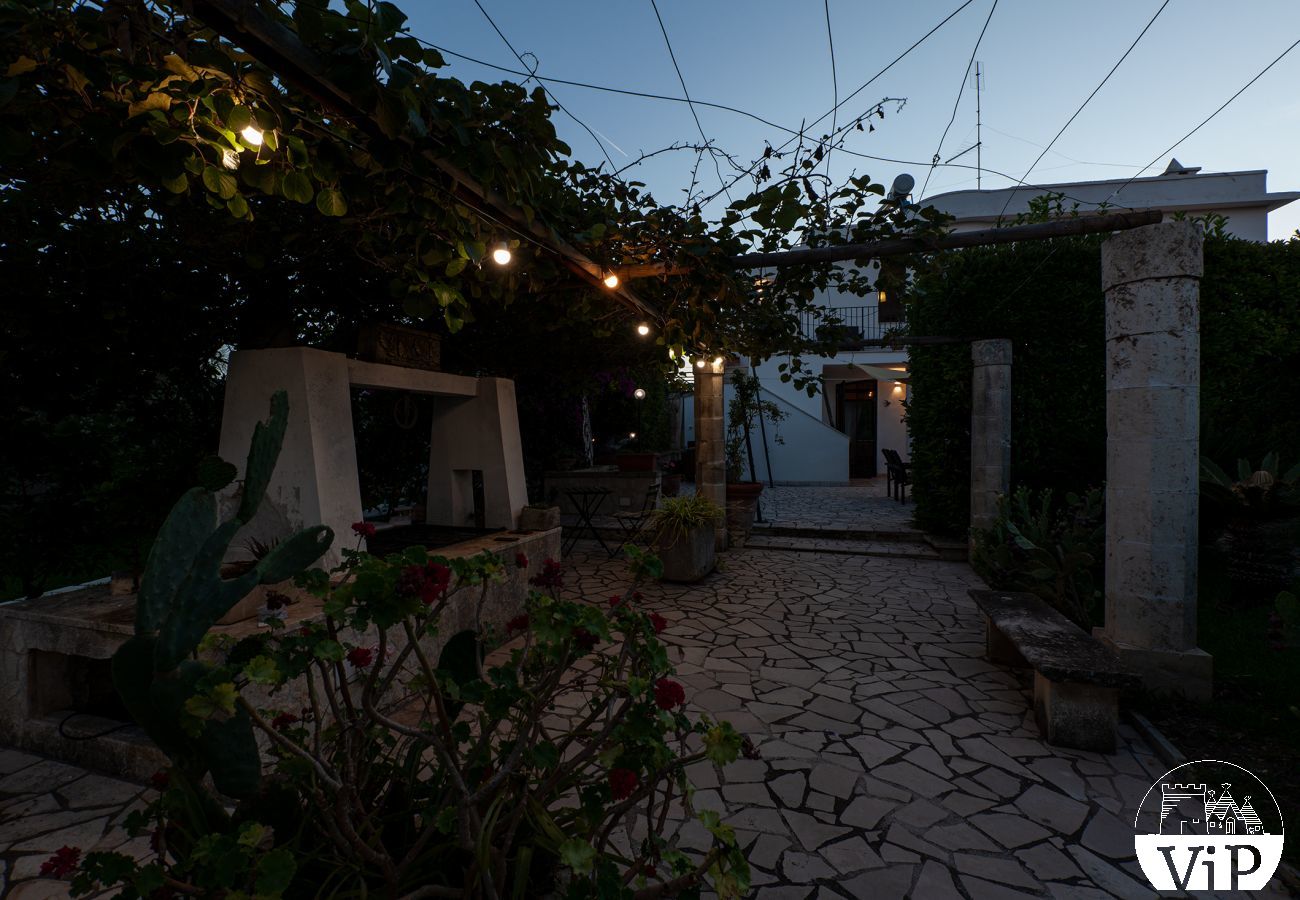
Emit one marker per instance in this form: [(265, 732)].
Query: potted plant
[(743, 413), (683, 536)]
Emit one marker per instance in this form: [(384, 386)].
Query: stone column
[(1151, 277), (710, 440), (990, 430)]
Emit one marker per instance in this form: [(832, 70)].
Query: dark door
[(856, 417)]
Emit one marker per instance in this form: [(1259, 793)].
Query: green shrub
[(1052, 550)]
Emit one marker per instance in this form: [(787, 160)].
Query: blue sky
[(1041, 59)]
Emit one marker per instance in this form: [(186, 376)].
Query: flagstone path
[(894, 761)]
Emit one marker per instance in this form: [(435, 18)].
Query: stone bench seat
[(1077, 680)]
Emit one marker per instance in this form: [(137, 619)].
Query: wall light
[(501, 254), (632, 434), (611, 281), (883, 296), (699, 364)]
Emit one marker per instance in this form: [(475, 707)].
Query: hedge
[(1046, 297)]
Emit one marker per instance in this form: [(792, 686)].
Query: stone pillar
[(315, 480), (990, 430), (710, 440), (1151, 279)]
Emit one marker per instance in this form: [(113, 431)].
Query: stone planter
[(637, 462), (690, 557), (741, 499)]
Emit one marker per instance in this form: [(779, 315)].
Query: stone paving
[(864, 507), (894, 761)]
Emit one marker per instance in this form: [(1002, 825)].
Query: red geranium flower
[(615, 601), (552, 576), (669, 693), (521, 561), (659, 622), (363, 529), (160, 779), (428, 582), (283, 721), (622, 782), (584, 639), (361, 656), (518, 623), (62, 864)]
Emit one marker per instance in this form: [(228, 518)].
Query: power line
[(956, 103), (687, 93), (835, 83), (1087, 101), (554, 99), (1206, 120), (860, 89)]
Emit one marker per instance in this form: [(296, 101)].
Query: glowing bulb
[(501, 255), (699, 364), (632, 434), (611, 280), (639, 393), (643, 329), (253, 135), (883, 296), (717, 360)]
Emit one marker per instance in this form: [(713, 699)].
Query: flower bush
[(548, 767)]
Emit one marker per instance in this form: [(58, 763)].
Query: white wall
[(810, 451)]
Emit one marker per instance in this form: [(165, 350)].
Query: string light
[(611, 281), (639, 393), (717, 360), (501, 254), (643, 329), (699, 364), (632, 435), (253, 135)]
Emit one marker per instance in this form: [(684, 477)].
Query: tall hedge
[(1046, 297)]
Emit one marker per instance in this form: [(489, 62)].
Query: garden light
[(611, 281), (501, 255), (253, 135)]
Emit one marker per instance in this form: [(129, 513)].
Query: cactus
[(182, 595)]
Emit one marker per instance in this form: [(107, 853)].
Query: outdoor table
[(586, 501)]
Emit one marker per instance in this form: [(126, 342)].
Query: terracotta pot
[(744, 491), (637, 462), (690, 557), (670, 485)]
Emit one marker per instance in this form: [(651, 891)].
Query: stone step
[(897, 549), (776, 529)]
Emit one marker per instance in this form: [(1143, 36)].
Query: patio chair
[(633, 522), (898, 475)]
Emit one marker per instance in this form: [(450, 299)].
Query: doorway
[(855, 403)]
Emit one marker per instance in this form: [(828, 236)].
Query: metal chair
[(898, 475), (633, 522)]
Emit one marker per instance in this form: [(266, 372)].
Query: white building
[(838, 435)]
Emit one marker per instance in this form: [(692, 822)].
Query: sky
[(1040, 58)]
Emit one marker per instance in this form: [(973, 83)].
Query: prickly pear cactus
[(182, 595)]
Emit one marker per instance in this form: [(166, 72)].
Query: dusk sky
[(1041, 60)]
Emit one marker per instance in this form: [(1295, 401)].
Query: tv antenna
[(978, 76)]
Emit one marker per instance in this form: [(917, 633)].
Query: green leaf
[(275, 871), (239, 118), (577, 854), (215, 473), (331, 202), (457, 265), (176, 185), (221, 183), (297, 187), (238, 206), (331, 651), (262, 670)]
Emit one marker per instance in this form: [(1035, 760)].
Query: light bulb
[(253, 135), (699, 364), (632, 434), (717, 360), (611, 280), (501, 255), (639, 393), (643, 329)]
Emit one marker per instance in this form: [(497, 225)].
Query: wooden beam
[(952, 241), (279, 49)]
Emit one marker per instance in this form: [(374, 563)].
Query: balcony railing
[(858, 326)]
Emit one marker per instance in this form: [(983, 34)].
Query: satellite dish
[(902, 187)]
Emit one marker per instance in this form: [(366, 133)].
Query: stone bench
[(1077, 680)]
